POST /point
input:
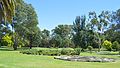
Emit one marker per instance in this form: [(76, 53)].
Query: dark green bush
[(0, 44), (90, 48), (65, 51), (30, 51), (116, 45), (52, 52), (107, 53), (34, 51), (77, 51)]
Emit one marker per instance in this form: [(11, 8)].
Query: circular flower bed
[(84, 58)]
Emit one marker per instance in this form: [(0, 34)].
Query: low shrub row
[(52, 52), (108, 53)]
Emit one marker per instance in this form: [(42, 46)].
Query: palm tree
[(7, 10)]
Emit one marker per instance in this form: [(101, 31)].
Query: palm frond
[(7, 10)]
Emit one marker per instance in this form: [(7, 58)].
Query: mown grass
[(14, 59)]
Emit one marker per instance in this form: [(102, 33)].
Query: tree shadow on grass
[(6, 49), (11, 49)]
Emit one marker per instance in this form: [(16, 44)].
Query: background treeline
[(92, 30)]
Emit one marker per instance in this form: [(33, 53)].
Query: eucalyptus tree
[(117, 27), (99, 23), (116, 16), (113, 33)]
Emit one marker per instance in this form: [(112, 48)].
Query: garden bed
[(84, 58)]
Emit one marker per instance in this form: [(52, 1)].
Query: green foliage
[(30, 51), (65, 51), (79, 34), (7, 10), (113, 33), (61, 36), (24, 61), (26, 26), (49, 52), (86, 30), (116, 45), (90, 48), (37, 39), (52, 52), (107, 44), (77, 51), (62, 30), (56, 40), (7, 40), (45, 35), (107, 53)]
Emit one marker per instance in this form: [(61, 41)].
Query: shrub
[(7, 40), (65, 51), (52, 52), (107, 53), (90, 48), (33, 51), (115, 45), (77, 51), (30, 51), (107, 44)]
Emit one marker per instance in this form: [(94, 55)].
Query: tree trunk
[(15, 47), (30, 42), (15, 44), (14, 38), (99, 43)]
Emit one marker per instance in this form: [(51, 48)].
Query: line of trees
[(95, 30)]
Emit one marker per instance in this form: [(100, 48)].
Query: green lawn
[(13, 59)]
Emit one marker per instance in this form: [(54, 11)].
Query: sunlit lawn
[(13, 59)]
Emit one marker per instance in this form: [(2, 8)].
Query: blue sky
[(54, 12)]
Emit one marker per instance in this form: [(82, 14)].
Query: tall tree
[(79, 36), (25, 22), (113, 33), (62, 30), (99, 23), (45, 38), (63, 33)]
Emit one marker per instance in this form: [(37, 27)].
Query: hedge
[(52, 52)]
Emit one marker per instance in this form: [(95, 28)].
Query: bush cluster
[(52, 52), (107, 53), (107, 44)]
